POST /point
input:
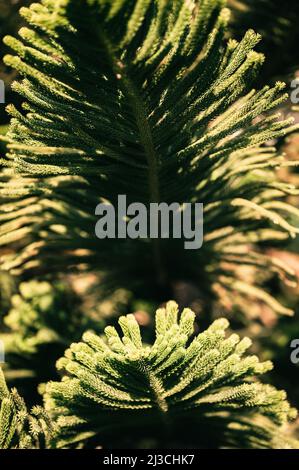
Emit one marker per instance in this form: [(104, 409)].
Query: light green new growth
[(20, 429), (35, 318), (41, 314), (204, 381), (44, 319), (146, 99)]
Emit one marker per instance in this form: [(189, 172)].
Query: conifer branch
[(148, 100), (20, 429), (204, 379)]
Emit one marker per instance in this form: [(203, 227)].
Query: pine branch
[(278, 27), (119, 386), (19, 428), (151, 101)]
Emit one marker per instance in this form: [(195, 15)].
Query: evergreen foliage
[(10, 23), (147, 98), (19, 428), (278, 26), (150, 100), (118, 385), (39, 315), (43, 320)]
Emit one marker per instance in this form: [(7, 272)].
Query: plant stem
[(146, 139)]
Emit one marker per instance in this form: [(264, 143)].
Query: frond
[(122, 387), (146, 99), (276, 24), (19, 428)]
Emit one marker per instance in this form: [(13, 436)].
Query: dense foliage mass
[(158, 107), (152, 99), (206, 382)]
